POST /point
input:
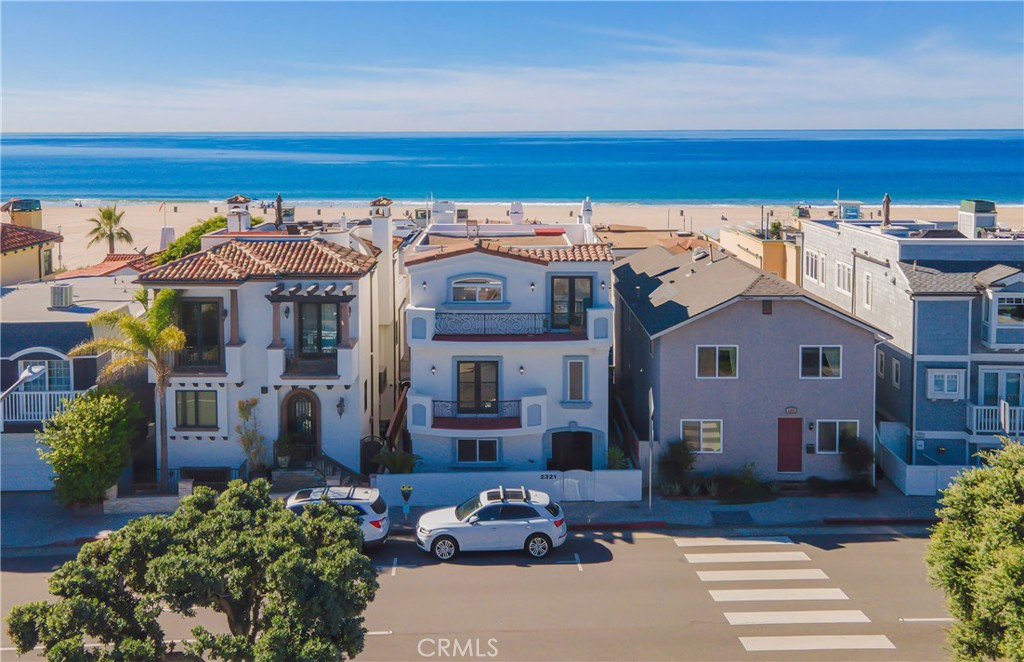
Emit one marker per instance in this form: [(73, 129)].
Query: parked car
[(371, 509), (497, 519)]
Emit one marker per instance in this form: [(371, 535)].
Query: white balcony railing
[(34, 406), (987, 420)]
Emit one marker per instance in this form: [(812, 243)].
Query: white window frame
[(868, 292), (33, 386), (696, 359), (1006, 298), (844, 278), (476, 444), (820, 348), (812, 263), (896, 367), (838, 422), (569, 360), (880, 363), (476, 283), (945, 374), (700, 442)]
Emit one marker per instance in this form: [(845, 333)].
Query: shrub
[(617, 459), (249, 438), (694, 488), (397, 462), (712, 486), (675, 464), (191, 241), (88, 444), (670, 488), (857, 456)]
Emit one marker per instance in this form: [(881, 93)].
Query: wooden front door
[(791, 456)]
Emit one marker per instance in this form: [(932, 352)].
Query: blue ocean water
[(914, 167)]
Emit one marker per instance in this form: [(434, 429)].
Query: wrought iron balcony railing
[(485, 408), (497, 324)]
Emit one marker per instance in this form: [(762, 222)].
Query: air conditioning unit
[(61, 295)]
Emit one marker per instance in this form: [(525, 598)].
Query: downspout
[(913, 374), (874, 418)]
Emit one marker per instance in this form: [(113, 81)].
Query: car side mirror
[(473, 519)]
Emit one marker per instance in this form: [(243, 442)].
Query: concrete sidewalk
[(32, 520)]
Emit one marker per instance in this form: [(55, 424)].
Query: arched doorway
[(301, 424), (572, 450)]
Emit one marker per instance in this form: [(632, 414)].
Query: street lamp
[(29, 374)]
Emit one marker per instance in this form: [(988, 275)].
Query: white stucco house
[(509, 327)]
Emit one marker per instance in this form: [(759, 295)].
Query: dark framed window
[(717, 361), (195, 409), (478, 387), (821, 362), (570, 298), (47, 261), (318, 329), (201, 323), (477, 450), (518, 512)]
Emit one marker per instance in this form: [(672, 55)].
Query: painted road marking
[(747, 557), (766, 594), (394, 567), (787, 617), (934, 619), (726, 542), (817, 642), (576, 560), (759, 575), (379, 633)]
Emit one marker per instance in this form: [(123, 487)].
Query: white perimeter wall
[(21, 469)]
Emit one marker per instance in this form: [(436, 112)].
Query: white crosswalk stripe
[(747, 557), (760, 575), (788, 617), (730, 542), (818, 642), (778, 594)]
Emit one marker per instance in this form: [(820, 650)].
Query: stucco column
[(278, 341), (345, 320), (234, 319)]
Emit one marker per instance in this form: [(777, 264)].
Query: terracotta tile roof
[(239, 260), (577, 253), (13, 237), (238, 200), (113, 263)]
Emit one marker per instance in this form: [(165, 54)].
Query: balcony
[(285, 365), (197, 362), (988, 420), (324, 365), (490, 415), (426, 324), (34, 406)]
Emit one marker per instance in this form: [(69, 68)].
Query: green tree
[(87, 444), (191, 241), (290, 587), (136, 343), (976, 556), (107, 227)]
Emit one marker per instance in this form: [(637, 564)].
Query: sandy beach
[(144, 220)]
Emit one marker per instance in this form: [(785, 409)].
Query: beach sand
[(144, 220)]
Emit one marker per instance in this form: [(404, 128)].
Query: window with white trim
[(477, 290), (844, 277), (868, 294), (811, 266), (701, 436), (717, 361), (896, 365), (821, 362), (1009, 311), (195, 409), (576, 380), (56, 378), (834, 436), (880, 363), (476, 451), (946, 384)]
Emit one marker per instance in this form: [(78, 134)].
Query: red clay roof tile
[(13, 237)]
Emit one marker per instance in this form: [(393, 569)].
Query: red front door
[(791, 456)]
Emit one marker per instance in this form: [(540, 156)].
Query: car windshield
[(467, 508)]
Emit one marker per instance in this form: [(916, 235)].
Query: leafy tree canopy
[(976, 556), (88, 444), (291, 587), (190, 242)]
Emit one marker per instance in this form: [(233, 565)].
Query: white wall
[(22, 469)]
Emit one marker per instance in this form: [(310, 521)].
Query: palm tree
[(138, 343), (108, 227)]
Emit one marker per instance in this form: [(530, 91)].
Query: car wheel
[(538, 546), (445, 548)]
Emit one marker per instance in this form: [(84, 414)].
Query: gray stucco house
[(951, 295), (741, 364)]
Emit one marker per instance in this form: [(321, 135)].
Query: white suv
[(494, 520), (373, 512)]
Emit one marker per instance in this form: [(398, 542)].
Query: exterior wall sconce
[(810, 425), (287, 311), (223, 313), (603, 285), (341, 407), (433, 370), (533, 286), (424, 284), (522, 370)]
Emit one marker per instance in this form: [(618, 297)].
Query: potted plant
[(282, 450)]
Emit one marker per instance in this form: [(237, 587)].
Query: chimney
[(975, 215), (515, 213), (586, 211), (886, 202), (382, 232)]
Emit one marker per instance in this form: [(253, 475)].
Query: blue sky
[(391, 66)]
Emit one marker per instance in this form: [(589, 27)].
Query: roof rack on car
[(526, 493)]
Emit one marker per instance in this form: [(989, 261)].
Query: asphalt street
[(800, 594)]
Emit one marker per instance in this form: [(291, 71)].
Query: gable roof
[(14, 237), (665, 290), (238, 260), (576, 253), (955, 276), (113, 263)]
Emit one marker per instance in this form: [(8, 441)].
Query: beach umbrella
[(886, 201)]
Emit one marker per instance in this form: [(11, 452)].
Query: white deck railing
[(986, 420), (34, 406)]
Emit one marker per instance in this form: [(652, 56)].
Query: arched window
[(477, 290)]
